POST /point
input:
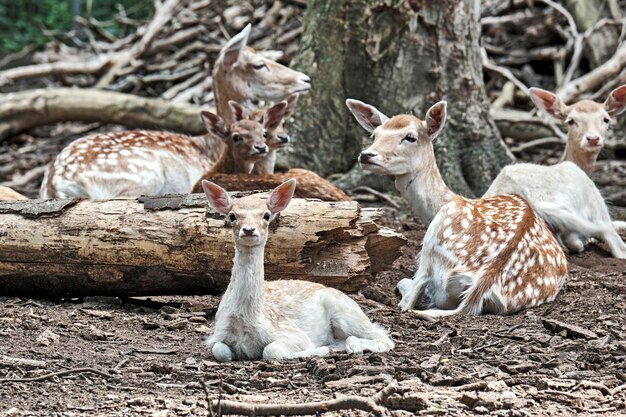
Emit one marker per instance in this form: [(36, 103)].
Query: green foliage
[(23, 22)]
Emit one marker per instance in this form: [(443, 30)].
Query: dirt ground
[(558, 359)]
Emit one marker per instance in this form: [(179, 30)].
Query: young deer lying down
[(134, 163), (277, 138), (587, 123), (491, 255), (567, 199), (279, 319)]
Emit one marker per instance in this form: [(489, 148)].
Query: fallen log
[(176, 245), (32, 108)]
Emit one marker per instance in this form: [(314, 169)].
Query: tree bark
[(32, 108), (171, 245), (400, 57)]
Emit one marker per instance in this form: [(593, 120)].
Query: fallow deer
[(134, 163), (243, 148), (276, 138), (587, 123), (491, 255), (310, 185), (279, 319)]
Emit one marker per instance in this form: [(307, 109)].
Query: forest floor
[(558, 359)]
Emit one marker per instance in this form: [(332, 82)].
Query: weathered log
[(170, 245), (32, 108)]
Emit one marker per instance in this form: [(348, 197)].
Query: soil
[(562, 358)]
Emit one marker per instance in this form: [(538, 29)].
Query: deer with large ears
[(279, 319), (135, 163), (587, 123), (491, 255), (242, 75)]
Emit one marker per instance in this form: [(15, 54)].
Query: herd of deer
[(497, 254)]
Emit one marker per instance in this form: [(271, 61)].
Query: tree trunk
[(168, 245), (400, 57), (32, 108)]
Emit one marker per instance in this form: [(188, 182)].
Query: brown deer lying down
[(489, 255), (8, 194), (310, 185)]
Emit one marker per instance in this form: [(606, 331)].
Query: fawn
[(587, 123), (565, 198), (276, 138), (563, 194), (490, 255), (279, 319), (134, 163)]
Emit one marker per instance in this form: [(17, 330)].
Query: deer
[(492, 255), (135, 163), (564, 195), (283, 319), (587, 123), (240, 74), (276, 138), (310, 185)]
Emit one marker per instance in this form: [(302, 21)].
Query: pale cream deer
[(279, 319), (134, 163), (491, 255), (587, 123)]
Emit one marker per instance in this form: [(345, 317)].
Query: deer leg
[(574, 243), (615, 243), (404, 285), (222, 353), (282, 350)]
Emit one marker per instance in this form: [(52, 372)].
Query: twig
[(372, 405), (382, 196), (60, 373), (536, 142)]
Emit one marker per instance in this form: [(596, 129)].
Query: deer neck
[(245, 291), (225, 90), (267, 164), (425, 190), (227, 164), (585, 160)]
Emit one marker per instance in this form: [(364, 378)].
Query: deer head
[(587, 122), (402, 144), (250, 216), (242, 74)]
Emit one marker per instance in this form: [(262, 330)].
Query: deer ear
[(549, 102), (616, 101), (214, 124), (291, 100), (436, 119), (281, 196), (368, 116), (274, 115), (233, 47), (239, 113), (217, 196)]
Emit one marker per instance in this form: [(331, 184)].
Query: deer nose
[(260, 148), (248, 231), (283, 138), (366, 156), (593, 140), (306, 79)]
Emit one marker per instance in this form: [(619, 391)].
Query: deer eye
[(409, 138), (236, 138), (607, 120), (232, 217), (570, 122), (265, 134), (259, 66), (267, 216)]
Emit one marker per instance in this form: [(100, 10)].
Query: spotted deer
[(135, 163), (565, 198), (279, 319), (587, 123), (276, 139), (491, 255)]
